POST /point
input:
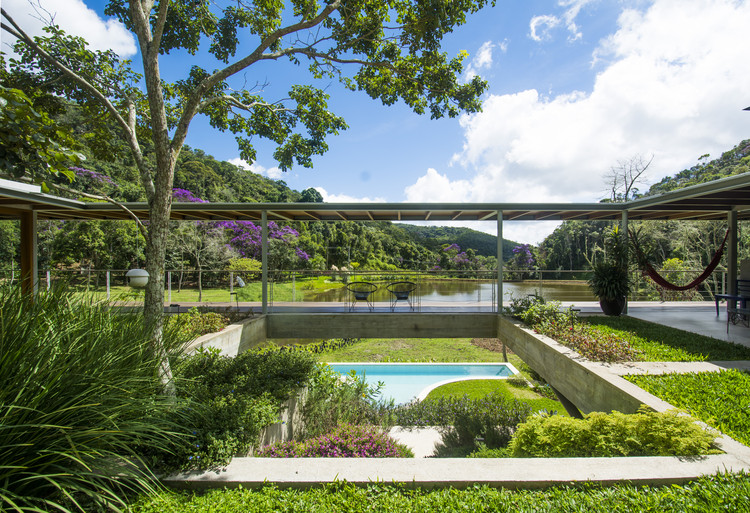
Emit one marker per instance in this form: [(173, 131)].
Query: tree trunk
[(156, 249)]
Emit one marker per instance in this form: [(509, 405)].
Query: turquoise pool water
[(406, 381)]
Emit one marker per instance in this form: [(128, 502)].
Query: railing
[(435, 288)]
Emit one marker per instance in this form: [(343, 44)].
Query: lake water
[(402, 382), (480, 291)]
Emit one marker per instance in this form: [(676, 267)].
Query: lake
[(480, 291)]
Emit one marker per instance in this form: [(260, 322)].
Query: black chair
[(360, 291), (401, 291)]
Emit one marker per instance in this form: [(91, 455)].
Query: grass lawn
[(720, 399), (664, 344), (251, 291), (725, 492), (478, 388), (412, 350)]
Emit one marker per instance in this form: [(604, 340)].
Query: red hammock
[(649, 270)]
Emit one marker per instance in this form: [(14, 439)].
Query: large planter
[(612, 306)]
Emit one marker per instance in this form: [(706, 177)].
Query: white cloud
[(75, 18), (483, 58), (271, 172), (343, 198), (671, 84), (540, 27)]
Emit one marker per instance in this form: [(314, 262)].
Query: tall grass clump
[(79, 401)]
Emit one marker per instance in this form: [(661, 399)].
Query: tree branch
[(18, 32), (193, 103)]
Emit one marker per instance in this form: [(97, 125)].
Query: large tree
[(389, 49)]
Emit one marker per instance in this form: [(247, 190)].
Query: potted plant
[(610, 281)]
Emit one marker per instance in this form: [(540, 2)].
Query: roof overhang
[(708, 201)]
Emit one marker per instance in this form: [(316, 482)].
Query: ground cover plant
[(663, 343), (719, 399), (511, 389), (345, 441), (79, 403), (646, 433), (615, 339), (412, 350), (718, 493)]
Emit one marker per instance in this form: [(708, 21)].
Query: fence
[(298, 286)]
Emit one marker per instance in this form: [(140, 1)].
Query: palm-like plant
[(610, 280), (79, 402)]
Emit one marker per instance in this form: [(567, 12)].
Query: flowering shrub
[(185, 196), (346, 441), (565, 327)]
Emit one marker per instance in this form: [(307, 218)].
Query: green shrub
[(720, 399), (331, 401), (645, 433), (236, 398), (485, 452), (346, 441), (78, 403), (196, 322)]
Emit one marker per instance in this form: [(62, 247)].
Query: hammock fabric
[(652, 273)]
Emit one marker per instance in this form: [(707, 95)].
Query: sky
[(575, 87)]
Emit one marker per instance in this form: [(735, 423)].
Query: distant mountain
[(434, 237)]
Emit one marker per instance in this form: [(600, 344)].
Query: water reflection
[(434, 291)]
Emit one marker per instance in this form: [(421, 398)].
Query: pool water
[(406, 381)]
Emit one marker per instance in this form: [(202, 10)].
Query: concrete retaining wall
[(235, 338), (382, 325), (588, 385)]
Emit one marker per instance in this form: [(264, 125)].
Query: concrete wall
[(382, 325), (588, 385), (235, 338)]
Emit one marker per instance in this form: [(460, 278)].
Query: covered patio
[(726, 200)]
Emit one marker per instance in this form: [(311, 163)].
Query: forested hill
[(680, 244), (366, 245), (732, 162), (435, 237)]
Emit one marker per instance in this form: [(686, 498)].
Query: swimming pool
[(405, 381)]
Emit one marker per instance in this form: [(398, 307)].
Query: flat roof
[(707, 201)]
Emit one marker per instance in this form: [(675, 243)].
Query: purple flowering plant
[(94, 176), (345, 441)]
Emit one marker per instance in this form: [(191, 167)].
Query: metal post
[(49, 280), (108, 294), (264, 261), (732, 252), (499, 261), (625, 241), (169, 287), (29, 269)]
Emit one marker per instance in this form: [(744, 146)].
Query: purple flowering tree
[(452, 257), (201, 242), (245, 239), (522, 262)]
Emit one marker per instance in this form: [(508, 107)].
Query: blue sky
[(575, 87)]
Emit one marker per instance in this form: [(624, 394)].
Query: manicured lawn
[(412, 350), (730, 492), (659, 343), (478, 388), (251, 291), (720, 399)]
